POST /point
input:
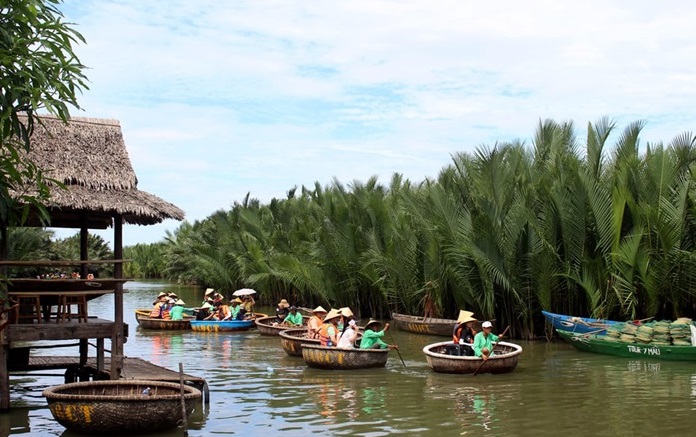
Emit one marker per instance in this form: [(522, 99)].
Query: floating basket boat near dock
[(119, 407)]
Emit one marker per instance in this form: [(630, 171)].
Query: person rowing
[(372, 337), (483, 342), (293, 318)]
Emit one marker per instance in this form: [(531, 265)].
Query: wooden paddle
[(484, 361), (397, 349)]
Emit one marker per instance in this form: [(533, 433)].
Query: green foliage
[(38, 71), (504, 232), (146, 261), (97, 248)]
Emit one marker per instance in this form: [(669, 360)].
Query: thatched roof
[(89, 156)]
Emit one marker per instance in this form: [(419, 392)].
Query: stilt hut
[(101, 191)]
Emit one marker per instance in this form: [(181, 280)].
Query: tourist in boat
[(314, 322), (348, 336), (328, 331), (177, 313), (282, 310), (159, 306), (236, 312), (167, 308), (204, 311), (464, 333), (372, 337), (346, 315), (248, 304), (220, 312), (483, 342), (293, 318), (211, 296), (158, 299), (208, 296)]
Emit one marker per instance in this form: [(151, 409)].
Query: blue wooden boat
[(580, 325), (221, 325)]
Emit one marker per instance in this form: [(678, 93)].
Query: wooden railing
[(62, 263)]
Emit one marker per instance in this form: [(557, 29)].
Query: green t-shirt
[(177, 313), (370, 338), (234, 310), (480, 342), (293, 319)]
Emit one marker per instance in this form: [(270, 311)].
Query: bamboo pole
[(184, 419)]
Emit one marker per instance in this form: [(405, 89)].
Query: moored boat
[(147, 322), (333, 358), (265, 325), (581, 325), (221, 325), (423, 325), (602, 345), (504, 359), (120, 407)]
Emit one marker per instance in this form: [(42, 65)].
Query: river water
[(256, 389)]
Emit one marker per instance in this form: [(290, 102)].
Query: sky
[(217, 99)]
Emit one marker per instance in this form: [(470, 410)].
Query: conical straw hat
[(345, 311), (332, 315), (465, 316)]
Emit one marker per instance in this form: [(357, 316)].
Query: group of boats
[(295, 343), (586, 334)]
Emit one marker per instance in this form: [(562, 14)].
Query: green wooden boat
[(599, 345)]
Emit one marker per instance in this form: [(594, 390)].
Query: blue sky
[(217, 99)]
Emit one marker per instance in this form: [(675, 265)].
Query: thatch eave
[(89, 157)]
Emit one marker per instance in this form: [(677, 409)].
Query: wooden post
[(84, 255), (100, 355), (84, 351), (4, 372), (117, 337)]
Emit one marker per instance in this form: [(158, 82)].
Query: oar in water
[(484, 361), (397, 349)]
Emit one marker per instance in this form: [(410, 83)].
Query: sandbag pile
[(680, 332), (614, 332), (661, 333)]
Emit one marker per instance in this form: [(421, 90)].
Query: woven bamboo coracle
[(119, 407)]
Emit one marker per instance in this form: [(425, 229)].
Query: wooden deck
[(57, 330), (133, 368)]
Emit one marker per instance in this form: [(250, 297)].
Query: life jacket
[(165, 313), (324, 337), (223, 312), (156, 312), (313, 325), (457, 332)]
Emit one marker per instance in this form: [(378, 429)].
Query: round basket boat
[(504, 360), (266, 326), (333, 358), (119, 407), (291, 341)]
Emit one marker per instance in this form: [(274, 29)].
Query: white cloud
[(217, 99)]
